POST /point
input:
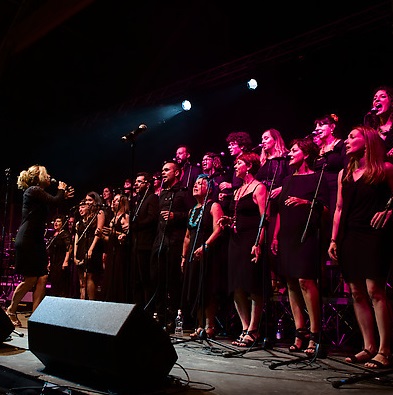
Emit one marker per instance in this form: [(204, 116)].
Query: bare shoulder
[(389, 169)]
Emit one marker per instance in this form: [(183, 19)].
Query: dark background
[(75, 76)]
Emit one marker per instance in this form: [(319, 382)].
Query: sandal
[(312, 344), (197, 334), (302, 334), (249, 342), (375, 364), (240, 338), (362, 356), (14, 319)]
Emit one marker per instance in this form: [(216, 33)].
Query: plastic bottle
[(279, 333), (179, 324)]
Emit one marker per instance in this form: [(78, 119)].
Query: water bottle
[(179, 324), (279, 333)]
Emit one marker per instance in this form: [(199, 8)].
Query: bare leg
[(21, 290), (311, 298), (377, 293), (91, 286), (39, 291), (297, 304), (242, 305), (365, 318)]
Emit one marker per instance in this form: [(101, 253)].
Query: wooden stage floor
[(204, 367)]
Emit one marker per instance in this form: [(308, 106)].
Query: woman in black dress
[(248, 275), (114, 285), (59, 250), (298, 251), (361, 240), (31, 259), (274, 168), (88, 245), (201, 260)]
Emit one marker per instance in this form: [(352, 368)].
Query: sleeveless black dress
[(242, 273), (363, 252)]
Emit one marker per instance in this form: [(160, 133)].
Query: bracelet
[(205, 246), (182, 257), (332, 240)]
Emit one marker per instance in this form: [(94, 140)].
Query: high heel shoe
[(14, 319), (302, 334)]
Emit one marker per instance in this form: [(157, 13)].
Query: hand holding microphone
[(68, 190)]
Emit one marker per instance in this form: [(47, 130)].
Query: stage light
[(252, 84), (186, 105)]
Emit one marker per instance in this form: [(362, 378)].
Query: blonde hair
[(34, 175), (280, 149)]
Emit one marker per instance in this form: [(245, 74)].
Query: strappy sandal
[(302, 334), (375, 364), (359, 359), (247, 342), (312, 344), (14, 319), (240, 338)]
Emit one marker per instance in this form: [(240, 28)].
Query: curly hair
[(243, 139), (34, 175)]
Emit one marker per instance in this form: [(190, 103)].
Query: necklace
[(192, 221), (240, 195)]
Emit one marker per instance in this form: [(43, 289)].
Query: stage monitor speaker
[(6, 327), (110, 345)]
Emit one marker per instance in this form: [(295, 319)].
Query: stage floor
[(206, 367)]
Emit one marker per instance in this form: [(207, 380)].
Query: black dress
[(59, 277), (31, 259), (363, 252), (297, 259), (242, 273), (115, 279), (204, 280)]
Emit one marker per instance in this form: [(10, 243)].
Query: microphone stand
[(3, 233), (318, 351)]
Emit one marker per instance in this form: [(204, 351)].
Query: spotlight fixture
[(252, 84), (186, 105)]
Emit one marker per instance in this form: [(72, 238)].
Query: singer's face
[(140, 184), (355, 143), (323, 130), (296, 156), (240, 168), (207, 163), (382, 101), (58, 223), (200, 187), (169, 173), (234, 149), (268, 142)]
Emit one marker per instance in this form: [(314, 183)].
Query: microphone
[(376, 108), (53, 181), (131, 135), (257, 148)]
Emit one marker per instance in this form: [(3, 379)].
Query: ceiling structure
[(76, 75)]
